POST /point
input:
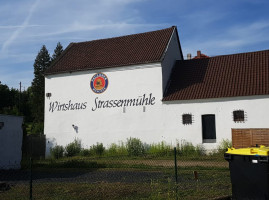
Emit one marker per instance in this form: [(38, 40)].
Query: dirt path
[(170, 163)]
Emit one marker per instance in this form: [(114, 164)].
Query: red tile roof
[(113, 52), (244, 74)]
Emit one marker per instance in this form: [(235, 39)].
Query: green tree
[(57, 52), (42, 62), (5, 100), (9, 101), (26, 104)]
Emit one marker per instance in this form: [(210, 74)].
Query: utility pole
[(20, 99)]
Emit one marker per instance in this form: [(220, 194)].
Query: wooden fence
[(242, 138)]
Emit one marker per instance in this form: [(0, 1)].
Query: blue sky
[(215, 27)]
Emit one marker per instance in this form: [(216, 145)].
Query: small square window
[(239, 115), (187, 119)]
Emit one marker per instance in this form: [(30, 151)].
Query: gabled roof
[(114, 52), (244, 74)]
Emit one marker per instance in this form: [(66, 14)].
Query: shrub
[(98, 149), (117, 149), (224, 145), (161, 149), (73, 148), (188, 149), (86, 152), (57, 151), (37, 128), (135, 147), (112, 149)]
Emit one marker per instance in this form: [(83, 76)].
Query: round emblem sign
[(99, 83)]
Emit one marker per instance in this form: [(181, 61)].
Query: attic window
[(186, 119), (239, 115)]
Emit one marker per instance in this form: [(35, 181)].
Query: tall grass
[(188, 149), (224, 145), (57, 152), (94, 150), (119, 149), (161, 149), (135, 147)]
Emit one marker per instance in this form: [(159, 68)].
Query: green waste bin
[(249, 169)]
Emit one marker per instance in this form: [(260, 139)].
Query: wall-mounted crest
[(99, 83)]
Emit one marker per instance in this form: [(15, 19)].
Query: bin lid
[(260, 151)]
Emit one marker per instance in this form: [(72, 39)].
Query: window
[(209, 128), (186, 119), (239, 115)]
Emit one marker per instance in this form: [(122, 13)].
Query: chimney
[(198, 54), (188, 56)]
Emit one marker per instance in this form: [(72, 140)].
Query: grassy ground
[(79, 191), (124, 178), (103, 190)]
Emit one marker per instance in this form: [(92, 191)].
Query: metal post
[(31, 181), (175, 155), (20, 100)]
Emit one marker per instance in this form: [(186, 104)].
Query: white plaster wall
[(11, 142), (160, 122), (106, 125), (256, 113), (172, 54)]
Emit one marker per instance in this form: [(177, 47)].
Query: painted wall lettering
[(57, 106), (143, 100), (140, 101)]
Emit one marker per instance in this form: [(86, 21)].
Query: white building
[(11, 135), (140, 86)]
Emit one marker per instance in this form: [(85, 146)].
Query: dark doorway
[(209, 128)]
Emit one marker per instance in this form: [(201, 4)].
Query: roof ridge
[(210, 57), (249, 52), (123, 36)]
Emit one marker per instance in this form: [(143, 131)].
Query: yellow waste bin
[(249, 170)]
